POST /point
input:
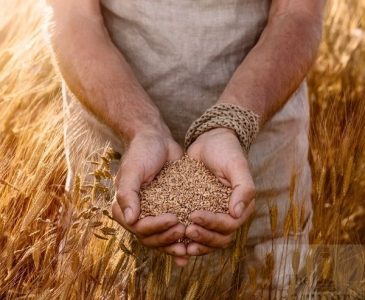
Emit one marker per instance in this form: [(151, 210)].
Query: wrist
[(257, 106), (217, 132), (243, 122), (150, 125), (158, 132)]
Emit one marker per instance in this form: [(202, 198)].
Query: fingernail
[(238, 209), (128, 215)]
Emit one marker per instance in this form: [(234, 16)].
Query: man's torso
[(184, 52)]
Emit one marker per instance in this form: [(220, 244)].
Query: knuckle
[(200, 219), (227, 241), (175, 235), (232, 227), (197, 234), (214, 223), (181, 228), (209, 238), (227, 225), (122, 196)]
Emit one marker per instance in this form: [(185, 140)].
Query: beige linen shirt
[(184, 53)]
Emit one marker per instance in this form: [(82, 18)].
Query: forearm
[(276, 66), (98, 75)]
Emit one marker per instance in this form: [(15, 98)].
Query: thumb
[(174, 151), (127, 189), (243, 188)]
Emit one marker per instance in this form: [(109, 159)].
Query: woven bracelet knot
[(244, 122)]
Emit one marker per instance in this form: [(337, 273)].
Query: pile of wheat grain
[(182, 187)]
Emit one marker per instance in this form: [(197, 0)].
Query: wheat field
[(59, 246)]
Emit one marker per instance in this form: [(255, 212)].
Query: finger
[(175, 151), (241, 197), (249, 210), (218, 222), (127, 188), (221, 222), (118, 216), (151, 225), (208, 238), (136, 229), (177, 249), (243, 187), (166, 238), (196, 249), (181, 261)]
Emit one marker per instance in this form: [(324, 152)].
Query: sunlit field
[(58, 246)]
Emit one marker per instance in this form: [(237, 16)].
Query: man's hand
[(146, 155), (101, 79), (220, 150)]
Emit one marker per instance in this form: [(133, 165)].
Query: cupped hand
[(144, 158), (219, 149)]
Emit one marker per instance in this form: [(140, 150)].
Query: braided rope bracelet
[(244, 122)]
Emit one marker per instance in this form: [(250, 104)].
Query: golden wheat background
[(54, 246)]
